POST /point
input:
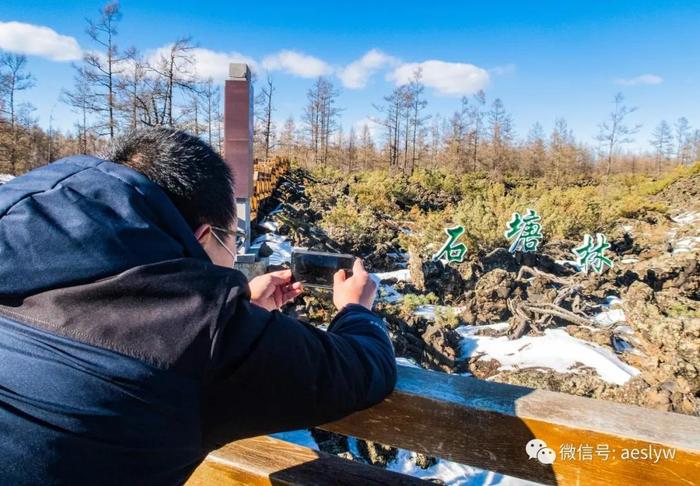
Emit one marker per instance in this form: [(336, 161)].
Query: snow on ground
[(684, 245), (428, 311), (270, 225), (687, 243), (386, 292), (556, 350), (410, 362), (280, 245), (629, 260), (686, 218), (6, 178), (402, 275), (572, 263), (612, 313), (451, 473)]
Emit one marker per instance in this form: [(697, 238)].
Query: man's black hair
[(193, 175)]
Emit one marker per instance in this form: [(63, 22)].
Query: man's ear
[(202, 233)]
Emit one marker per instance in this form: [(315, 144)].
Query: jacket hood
[(81, 219)]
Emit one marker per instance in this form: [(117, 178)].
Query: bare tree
[(501, 134), (133, 90), (476, 122), (83, 102), (351, 152), (695, 145), (615, 131), (263, 113), (175, 70), (14, 78), (288, 137), (662, 141), (101, 68), (211, 97), (394, 111), (683, 149), (562, 149), (321, 116), (536, 154), (367, 150), (456, 138)]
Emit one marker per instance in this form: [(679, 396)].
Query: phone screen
[(316, 269)]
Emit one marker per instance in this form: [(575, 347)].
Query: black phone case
[(316, 268)]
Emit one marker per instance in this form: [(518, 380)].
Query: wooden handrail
[(488, 425), (265, 460)]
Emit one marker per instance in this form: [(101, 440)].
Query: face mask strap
[(213, 232)]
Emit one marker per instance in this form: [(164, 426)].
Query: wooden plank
[(265, 460), (487, 425)]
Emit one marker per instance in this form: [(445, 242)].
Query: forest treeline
[(116, 90)]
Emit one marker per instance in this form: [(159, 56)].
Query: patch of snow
[(610, 317), (389, 294), (556, 349), (427, 311), (6, 178), (403, 255), (685, 245), (451, 473), (613, 312), (410, 362), (573, 263), (270, 225), (629, 260), (612, 300), (624, 329), (402, 275), (280, 245), (686, 218)]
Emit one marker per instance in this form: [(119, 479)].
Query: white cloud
[(356, 74), (649, 79), (215, 64), (207, 63), (296, 63), (37, 40), (447, 78)]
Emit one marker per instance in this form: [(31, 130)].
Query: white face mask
[(225, 247)]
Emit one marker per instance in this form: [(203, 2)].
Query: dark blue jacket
[(126, 354)]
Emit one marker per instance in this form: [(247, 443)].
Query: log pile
[(266, 175)]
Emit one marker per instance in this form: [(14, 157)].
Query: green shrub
[(410, 302)]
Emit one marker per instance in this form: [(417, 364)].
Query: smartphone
[(316, 268)]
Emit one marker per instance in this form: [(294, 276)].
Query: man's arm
[(271, 373)]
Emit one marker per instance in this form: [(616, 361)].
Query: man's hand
[(358, 289), (272, 290)]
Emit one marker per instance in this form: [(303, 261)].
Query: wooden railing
[(474, 422), (486, 425)]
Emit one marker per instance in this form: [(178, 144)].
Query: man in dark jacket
[(128, 344)]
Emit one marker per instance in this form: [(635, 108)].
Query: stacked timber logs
[(266, 174)]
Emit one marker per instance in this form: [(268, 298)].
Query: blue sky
[(543, 59)]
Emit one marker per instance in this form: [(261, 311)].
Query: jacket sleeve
[(271, 373)]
